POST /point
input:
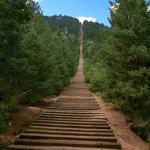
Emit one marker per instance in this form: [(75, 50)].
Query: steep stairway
[(73, 122)]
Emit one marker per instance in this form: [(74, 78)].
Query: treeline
[(36, 59), (64, 23), (117, 61)]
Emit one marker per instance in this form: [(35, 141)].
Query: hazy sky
[(97, 9)]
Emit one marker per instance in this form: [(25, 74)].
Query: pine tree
[(13, 14), (122, 71)]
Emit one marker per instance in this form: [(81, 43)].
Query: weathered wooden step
[(75, 105), (73, 143), (77, 90), (79, 102), (74, 94), (74, 113), (68, 92), (67, 137), (68, 132), (69, 129), (75, 108), (72, 122), (76, 101), (76, 80), (73, 117), (25, 147), (85, 104), (72, 125), (77, 87), (77, 97)]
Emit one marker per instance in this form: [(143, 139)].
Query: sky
[(92, 10)]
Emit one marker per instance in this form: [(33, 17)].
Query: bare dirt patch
[(18, 121), (128, 139)]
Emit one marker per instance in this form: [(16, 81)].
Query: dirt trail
[(128, 139)]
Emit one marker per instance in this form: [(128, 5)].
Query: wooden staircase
[(73, 122)]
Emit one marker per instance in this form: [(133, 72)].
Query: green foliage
[(13, 15), (50, 64), (35, 59), (118, 60), (91, 30), (3, 146), (3, 117), (141, 127), (62, 23)]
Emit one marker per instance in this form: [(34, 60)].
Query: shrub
[(3, 117)]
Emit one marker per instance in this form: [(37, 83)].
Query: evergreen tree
[(36, 59), (13, 14), (122, 63)]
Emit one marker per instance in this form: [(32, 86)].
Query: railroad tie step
[(86, 116), (68, 132), (75, 108), (72, 122), (73, 143), (67, 137), (72, 125), (73, 112), (99, 130), (25, 147)]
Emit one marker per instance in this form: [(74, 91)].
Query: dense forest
[(38, 54), (117, 61)]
